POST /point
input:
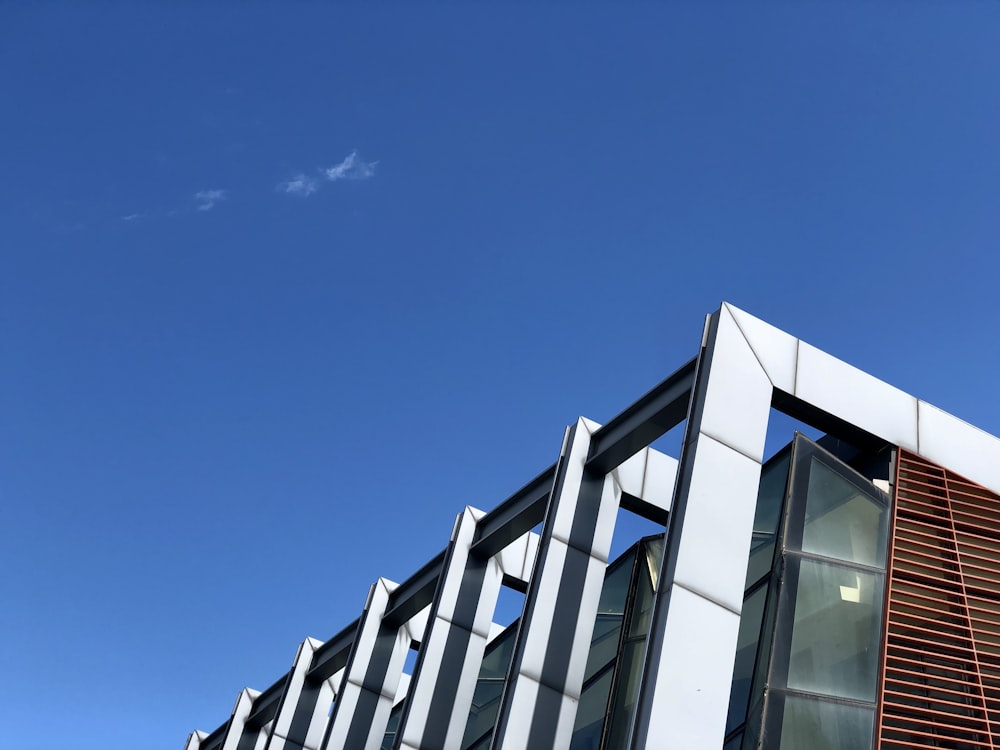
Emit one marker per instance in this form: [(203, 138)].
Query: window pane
[(819, 725), (489, 686), (610, 613), (626, 692), (615, 589), (498, 653), (392, 726), (767, 517), (746, 654), (590, 714), (751, 732), (835, 632), (642, 606), (483, 714), (654, 557), (604, 643), (842, 521)]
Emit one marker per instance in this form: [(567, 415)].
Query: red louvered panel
[(941, 663)]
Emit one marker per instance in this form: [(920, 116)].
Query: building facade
[(842, 593)]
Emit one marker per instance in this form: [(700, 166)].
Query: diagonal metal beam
[(660, 410), (415, 593), (266, 704), (515, 516), (215, 739), (332, 655), (663, 408)]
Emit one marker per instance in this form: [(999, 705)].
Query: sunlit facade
[(842, 593)]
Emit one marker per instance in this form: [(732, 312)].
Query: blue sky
[(282, 290)]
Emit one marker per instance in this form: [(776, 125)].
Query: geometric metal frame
[(744, 367)]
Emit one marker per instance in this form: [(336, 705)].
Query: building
[(843, 593)]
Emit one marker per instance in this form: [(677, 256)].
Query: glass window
[(590, 713), (809, 724), (610, 613), (835, 631), (751, 732), (746, 654), (767, 517), (489, 687), (642, 606), (392, 727), (842, 521), (626, 692), (654, 556), (630, 663)]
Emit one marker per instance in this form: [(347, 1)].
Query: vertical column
[(301, 716), (458, 631), (238, 735), (541, 697), (194, 740), (361, 711), (689, 660), (263, 735)]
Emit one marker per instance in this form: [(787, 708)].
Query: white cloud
[(300, 184), (351, 168), (132, 217), (208, 198)]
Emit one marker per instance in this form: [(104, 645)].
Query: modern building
[(843, 593)]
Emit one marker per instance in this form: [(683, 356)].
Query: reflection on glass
[(610, 613), (751, 732), (767, 517), (590, 713), (630, 665), (654, 557), (604, 644), (392, 726), (842, 521), (642, 607), (489, 688), (746, 652), (820, 725), (835, 631)]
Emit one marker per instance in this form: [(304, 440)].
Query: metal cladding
[(674, 644)]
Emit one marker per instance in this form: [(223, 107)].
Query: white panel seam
[(727, 445), (749, 345), (706, 597)]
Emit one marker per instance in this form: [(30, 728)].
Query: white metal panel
[(630, 474), (607, 515), (244, 705), (856, 397), (957, 445), (574, 460), (658, 481), (775, 349), (695, 674), (737, 399), (466, 690), (715, 537), (540, 635)]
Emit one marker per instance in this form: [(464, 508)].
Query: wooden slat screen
[(941, 664)]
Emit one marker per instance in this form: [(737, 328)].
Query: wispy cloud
[(208, 198), (132, 217), (351, 167), (300, 184)]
